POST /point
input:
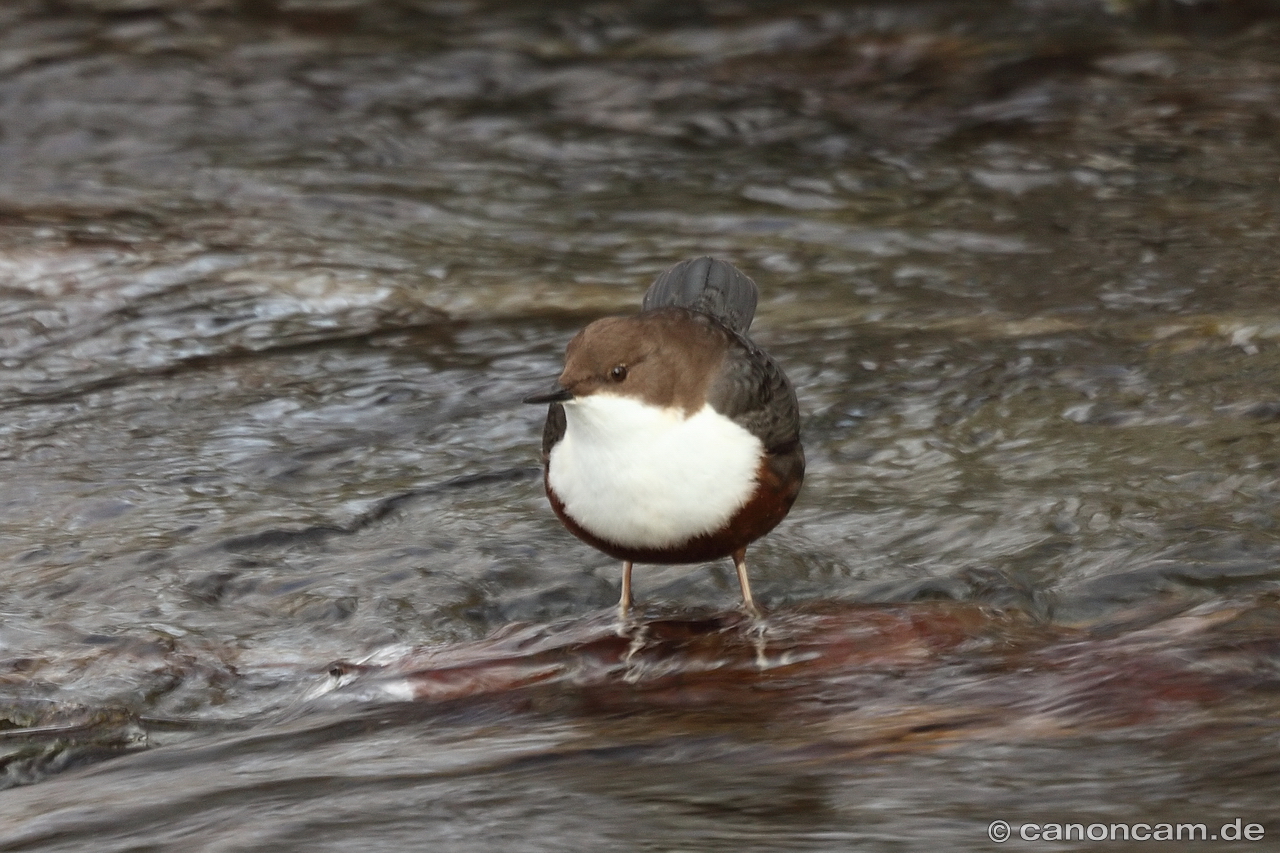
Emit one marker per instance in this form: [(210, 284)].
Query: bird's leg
[(749, 604), (740, 563), (627, 626), (624, 603)]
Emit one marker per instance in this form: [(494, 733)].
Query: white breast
[(641, 476)]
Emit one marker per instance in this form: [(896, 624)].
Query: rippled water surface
[(278, 573)]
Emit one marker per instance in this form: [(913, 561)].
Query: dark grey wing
[(752, 391), (553, 431), (708, 285)]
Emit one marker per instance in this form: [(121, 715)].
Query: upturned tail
[(708, 285)]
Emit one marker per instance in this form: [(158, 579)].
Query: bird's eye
[(619, 373)]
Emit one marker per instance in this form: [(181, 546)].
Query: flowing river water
[(278, 572)]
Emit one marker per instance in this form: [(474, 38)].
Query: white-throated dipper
[(671, 437)]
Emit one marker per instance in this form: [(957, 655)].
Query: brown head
[(666, 357)]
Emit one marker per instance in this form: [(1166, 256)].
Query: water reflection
[(272, 281), (818, 727)]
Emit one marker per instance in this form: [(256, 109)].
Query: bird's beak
[(556, 394)]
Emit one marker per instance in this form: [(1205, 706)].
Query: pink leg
[(624, 603), (740, 563)]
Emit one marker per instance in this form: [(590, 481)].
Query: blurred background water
[(274, 277)]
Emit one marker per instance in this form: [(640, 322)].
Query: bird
[(670, 436)]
